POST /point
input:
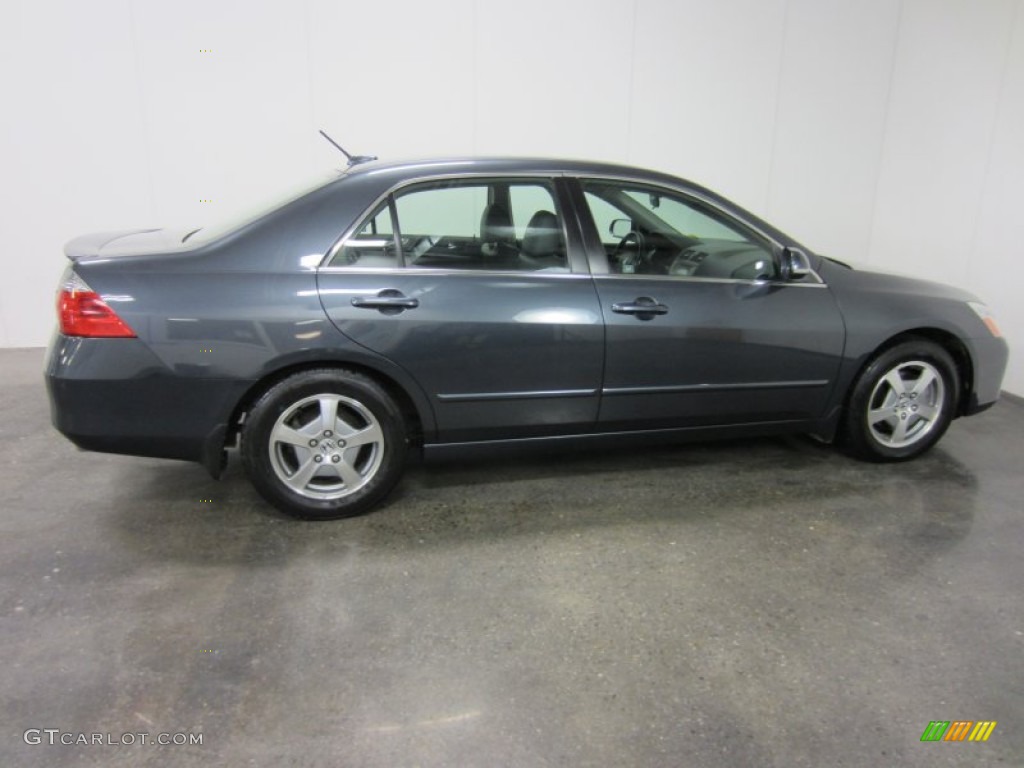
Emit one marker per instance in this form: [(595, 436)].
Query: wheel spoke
[(899, 432), (300, 479), (328, 413), (880, 414), (927, 412), (345, 429), (923, 381), (284, 434), (372, 434), (347, 473), (891, 398), (896, 382)]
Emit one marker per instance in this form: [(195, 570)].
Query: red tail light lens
[(82, 312)]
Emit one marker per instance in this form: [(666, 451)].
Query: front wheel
[(902, 403), (324, 444)]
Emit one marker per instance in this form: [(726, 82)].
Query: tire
[(902, 403), (324, 444)]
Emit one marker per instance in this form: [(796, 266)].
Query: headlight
[(986, 317)]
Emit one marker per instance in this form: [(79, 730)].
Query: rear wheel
[(324, 444), (902, 403)]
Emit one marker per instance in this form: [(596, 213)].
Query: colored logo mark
[(958, 730)]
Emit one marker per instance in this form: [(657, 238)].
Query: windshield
[(254, 211)]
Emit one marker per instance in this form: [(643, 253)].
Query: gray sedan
[(456, 306)]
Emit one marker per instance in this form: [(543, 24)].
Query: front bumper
[(989, 356)]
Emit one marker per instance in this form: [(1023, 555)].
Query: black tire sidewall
[(279, 398), (857, 437)]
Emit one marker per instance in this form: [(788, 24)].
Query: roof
[(503, 164)]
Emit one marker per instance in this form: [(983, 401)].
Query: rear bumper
[(115, 396)]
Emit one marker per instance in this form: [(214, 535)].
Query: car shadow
[(912, 510)]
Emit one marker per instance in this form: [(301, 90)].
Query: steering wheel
[(629, 251)]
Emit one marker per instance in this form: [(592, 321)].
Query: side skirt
[(440, 452)]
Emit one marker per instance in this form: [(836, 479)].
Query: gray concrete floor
[(766, 603)]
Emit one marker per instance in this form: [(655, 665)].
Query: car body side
[(219, 323)]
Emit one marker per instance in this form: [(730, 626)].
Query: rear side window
[(452, 212), (372, 246), (501, 225)]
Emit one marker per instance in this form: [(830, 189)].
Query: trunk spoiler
[(88, 246)]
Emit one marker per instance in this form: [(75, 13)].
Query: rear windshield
[(250, 213)]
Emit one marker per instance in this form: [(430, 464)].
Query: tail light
[(82, 312)]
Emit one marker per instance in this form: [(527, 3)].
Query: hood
[(882, 282)]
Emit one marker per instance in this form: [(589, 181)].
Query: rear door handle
[(643, 308), (389, 301)]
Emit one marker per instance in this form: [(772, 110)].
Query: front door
[(701, 328)]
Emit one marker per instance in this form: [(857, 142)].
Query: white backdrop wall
[(889, 133)]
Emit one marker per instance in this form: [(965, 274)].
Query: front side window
[(649, 231), (465, 225)]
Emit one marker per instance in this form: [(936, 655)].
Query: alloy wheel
[(326, 446), (906, 404)]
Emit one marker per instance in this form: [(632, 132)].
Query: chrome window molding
[(443, 271), (726, 280)]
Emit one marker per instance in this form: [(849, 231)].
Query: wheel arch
[(418, 423), (945, 339)]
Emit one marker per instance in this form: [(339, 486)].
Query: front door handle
[(389, 301), (643, 308)]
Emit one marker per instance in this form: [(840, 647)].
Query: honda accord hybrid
[(452, 306)]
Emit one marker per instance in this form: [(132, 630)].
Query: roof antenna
[(352, 159)]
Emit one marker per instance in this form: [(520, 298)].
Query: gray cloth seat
[(543, 246), (497, 235)]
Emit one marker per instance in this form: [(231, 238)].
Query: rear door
[(701, 328), (479, 290)]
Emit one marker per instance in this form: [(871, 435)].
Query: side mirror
[(794, 264), (620, 228)]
